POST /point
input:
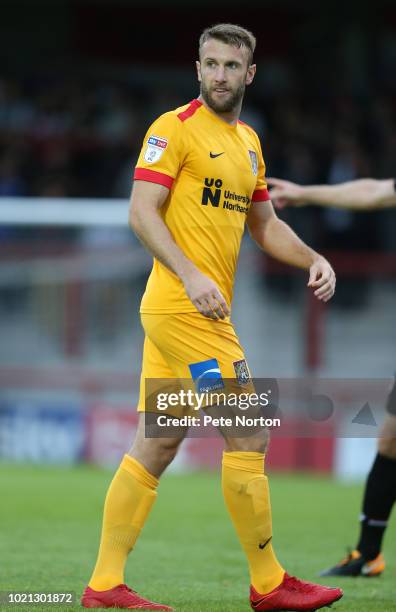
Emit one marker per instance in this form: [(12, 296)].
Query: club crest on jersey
[(241, 372), (253, 161), (155, 148)]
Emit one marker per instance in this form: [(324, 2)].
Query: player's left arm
[(277, 239)]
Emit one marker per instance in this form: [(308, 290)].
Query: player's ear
[(198, 65), (251, 71)]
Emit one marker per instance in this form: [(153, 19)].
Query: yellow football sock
[(246, 493), (129, 499)]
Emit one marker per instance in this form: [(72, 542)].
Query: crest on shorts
[(155, 148), (242, 373), (253, 161)]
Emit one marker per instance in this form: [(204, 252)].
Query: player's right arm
[(362, 194), (160, 161), (146, 221)]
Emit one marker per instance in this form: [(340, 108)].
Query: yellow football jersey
[(214, 171)]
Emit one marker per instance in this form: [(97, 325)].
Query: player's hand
[(322, 279), (205, 295), (285, 193)]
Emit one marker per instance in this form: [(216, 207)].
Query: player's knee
[(253, 444), (155, 453), (167, 449), (387, 437), (387, 447)]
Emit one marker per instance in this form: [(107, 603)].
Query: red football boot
[(294, 595), (120, 596)]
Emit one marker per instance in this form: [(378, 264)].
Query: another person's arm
[(146, 221), (278, 240), (362, 194)]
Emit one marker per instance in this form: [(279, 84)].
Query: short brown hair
[(230, 34)]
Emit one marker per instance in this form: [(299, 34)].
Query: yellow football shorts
[(190, 350)]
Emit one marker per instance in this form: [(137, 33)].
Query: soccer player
[(380, 490), (200, 176)]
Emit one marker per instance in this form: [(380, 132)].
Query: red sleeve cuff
[(152, 176), (261, 195)]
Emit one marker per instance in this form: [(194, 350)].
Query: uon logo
[(212, 195)]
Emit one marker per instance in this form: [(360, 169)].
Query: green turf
[(188, 555)]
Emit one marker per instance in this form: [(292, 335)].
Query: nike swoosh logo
[(212, 155), (262, 546)]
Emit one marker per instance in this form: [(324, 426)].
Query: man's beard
[(226, 106)]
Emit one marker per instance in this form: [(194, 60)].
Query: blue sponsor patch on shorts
[(206, 375)]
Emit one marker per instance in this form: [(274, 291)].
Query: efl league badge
[(253, 161), (241, 372), (155, 148)]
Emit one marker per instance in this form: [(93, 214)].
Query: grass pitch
[(188, 555)]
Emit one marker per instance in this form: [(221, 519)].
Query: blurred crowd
[(67, 137), (80, 137)]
